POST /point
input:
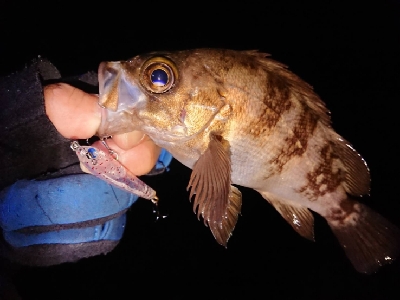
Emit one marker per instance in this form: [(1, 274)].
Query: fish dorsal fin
[(300, 218), (357, 177), (215, 199)]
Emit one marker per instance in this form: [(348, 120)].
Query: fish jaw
[(120, 97)]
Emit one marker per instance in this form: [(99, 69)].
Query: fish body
[(239, 117)]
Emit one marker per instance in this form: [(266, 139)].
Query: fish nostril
[(182, 115)]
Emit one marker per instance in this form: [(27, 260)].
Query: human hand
[(70, 217), (77, 115)]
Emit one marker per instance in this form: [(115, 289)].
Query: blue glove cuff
[(66, 200), (63, 200), (164, 160)]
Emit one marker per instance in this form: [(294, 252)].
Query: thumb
[(74, 113)]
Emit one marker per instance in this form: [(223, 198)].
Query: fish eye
[(158, 75)]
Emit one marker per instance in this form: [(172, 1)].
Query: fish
[(240, 118)]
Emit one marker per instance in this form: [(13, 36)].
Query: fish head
[(169, 96)]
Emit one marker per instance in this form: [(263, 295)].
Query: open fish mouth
[(119, 97)]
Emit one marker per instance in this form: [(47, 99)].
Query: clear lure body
[(104, 164)]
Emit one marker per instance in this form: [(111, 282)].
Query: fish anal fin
[(215, 199), (368, 239), (300, 218), (357, 176)]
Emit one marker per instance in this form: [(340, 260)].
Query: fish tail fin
[(368, 239)]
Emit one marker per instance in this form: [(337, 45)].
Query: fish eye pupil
[(159, 77)]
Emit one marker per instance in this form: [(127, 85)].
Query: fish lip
[(108, 77), (119, 97)]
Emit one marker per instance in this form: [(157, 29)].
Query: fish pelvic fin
[(368, 239), (222, 231), (300, 218), (215, 199)]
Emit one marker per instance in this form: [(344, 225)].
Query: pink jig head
[(103, 163)]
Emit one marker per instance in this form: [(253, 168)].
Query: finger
[(128, 140), (139, 159), (74, 113)]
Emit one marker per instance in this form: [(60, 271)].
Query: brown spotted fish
[(238, 117)]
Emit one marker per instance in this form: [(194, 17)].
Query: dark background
[(348, 52)]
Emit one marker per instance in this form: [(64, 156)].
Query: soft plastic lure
[(104, 164)]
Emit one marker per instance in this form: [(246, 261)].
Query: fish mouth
[(118, 98)]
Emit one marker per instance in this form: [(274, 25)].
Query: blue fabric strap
[(111, 230)]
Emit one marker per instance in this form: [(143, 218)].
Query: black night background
[(349, 53)]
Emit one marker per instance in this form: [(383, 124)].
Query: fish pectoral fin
[(215, 199), (300, 218)]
